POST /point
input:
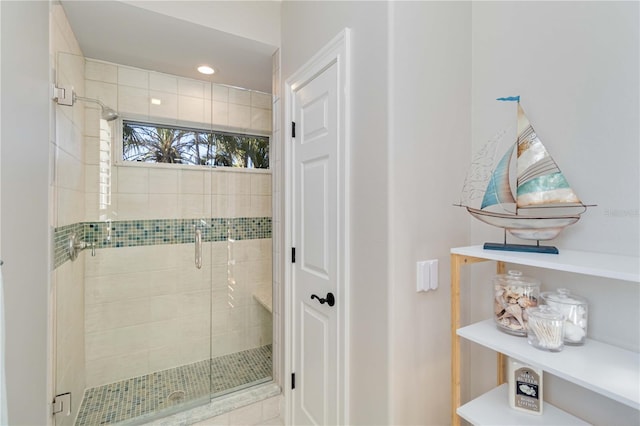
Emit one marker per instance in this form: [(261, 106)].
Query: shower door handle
[(198, 241)]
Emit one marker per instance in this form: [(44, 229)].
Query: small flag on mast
[(509, 99)]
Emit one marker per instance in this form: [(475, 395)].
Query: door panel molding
[(314, 225), (314, 398), (315, 118)]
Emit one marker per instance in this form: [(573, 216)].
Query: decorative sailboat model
[(543, 203)]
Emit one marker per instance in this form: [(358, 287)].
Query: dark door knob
[(329, 300)]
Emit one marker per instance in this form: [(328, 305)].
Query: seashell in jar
[(516, 312), (525, 302), (497, 308)]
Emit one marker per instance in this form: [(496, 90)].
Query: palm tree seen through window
[(151, 143)]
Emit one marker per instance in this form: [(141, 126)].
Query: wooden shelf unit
[(617, 381)]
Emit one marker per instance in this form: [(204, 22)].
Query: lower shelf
[(616, 376), (493, 408)]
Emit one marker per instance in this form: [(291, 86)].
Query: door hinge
[(293, 380), (293, 129), (293, 255), (62, 404)]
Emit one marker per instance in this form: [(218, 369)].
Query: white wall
[(576, 70), (256, 20), (25, 205), (576, 67), (429, 133), (306, 27)]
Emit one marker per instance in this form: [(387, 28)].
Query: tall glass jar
[(513, 294), (574, 309)]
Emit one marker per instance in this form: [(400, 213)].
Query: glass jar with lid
[(513, 294), (545, 328), (574, 309)]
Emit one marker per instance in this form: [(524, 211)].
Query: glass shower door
[(241, 326), (133, 312), (241, 300), (159, 231)]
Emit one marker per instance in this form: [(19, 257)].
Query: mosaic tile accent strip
[(131, 233), (61, 239), (167, 390)]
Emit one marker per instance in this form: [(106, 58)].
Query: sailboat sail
[(540, 181), (499, 189)]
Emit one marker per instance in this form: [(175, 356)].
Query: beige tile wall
[(147, 308), (143, 192), (169, 193), (182, 100), (136, 300), (69, 141)]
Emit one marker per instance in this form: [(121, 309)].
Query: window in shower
[(155, 143)]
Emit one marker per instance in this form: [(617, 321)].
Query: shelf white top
[(604, 369), (606, 265), (493, 408)]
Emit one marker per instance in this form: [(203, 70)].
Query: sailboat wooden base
[(527, 248)]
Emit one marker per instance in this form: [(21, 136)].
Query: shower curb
[(220, 406)]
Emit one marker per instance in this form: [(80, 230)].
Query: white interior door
[(316, 248), (318, 235)]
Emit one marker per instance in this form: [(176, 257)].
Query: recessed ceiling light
[(156, 101), (205, 69)]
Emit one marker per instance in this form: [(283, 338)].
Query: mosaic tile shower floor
[(161, 391)]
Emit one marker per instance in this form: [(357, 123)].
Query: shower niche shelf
[(616, 378), (264, 296)]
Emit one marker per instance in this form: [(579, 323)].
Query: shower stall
[(162, 241)]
